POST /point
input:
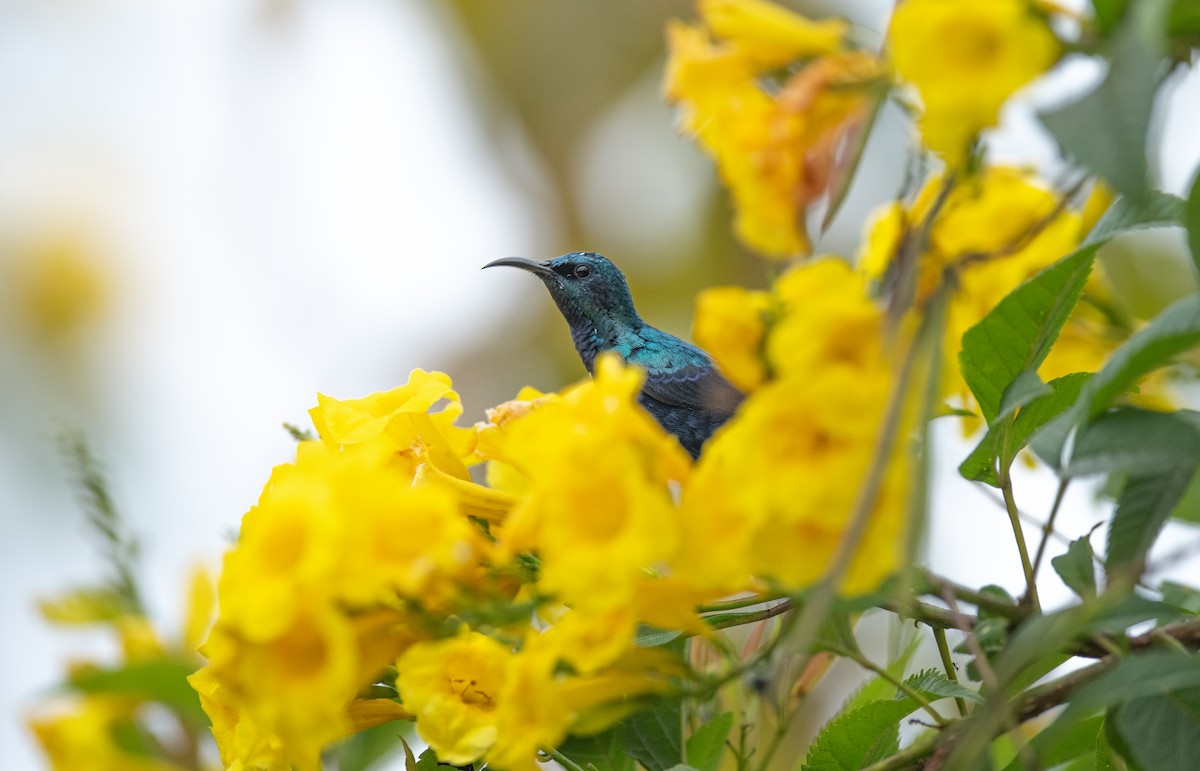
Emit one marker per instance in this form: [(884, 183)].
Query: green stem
[(939, 636), (1010, 505), (561, 759), (737, 603), (750, 618), (992, 604), (1048, 528)]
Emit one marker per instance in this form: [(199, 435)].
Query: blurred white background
[(212, 209)]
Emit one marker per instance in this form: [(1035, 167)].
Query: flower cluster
[(508, 615)]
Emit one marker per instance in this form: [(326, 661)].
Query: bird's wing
[(681, 374), (693, 386)]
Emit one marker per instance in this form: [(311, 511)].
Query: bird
[(683, 388)]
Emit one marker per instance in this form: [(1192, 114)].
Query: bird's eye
[(582, 271)]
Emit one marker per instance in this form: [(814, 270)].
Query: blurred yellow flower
[(453, 687), (775, 148), (769, 34), (730, 324), (824, 318), (995, 230), (965, 59), (86, 734), (58, 286), (773, 493)]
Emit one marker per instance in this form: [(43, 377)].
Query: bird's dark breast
[(691, 425)]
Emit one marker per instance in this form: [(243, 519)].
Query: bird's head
[(586, 286)]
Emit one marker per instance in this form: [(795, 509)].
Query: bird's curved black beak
[(537, 268)]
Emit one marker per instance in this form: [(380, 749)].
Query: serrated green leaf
[(1018, 333), (160, 680), (605, 751), (1142, 510), (980, 465), (1160, 732), (1191, 220), (428, 761), (1024, 388), (707, 745), (1121, 105), (852, 739), (1136, 441), (1156, 210), (1175, 330), (654, 737), (932, 682), (410, 761), (1181, 596), (1075, 568)]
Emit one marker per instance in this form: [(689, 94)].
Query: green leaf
[(649, 637), (1106, 129), (1080, 739), (1108, 13), (1160, 732), (1156, 210), (854, 739), (980, 465), (1137, 441), (835, 634), (1172, 332), (366, 748), (1175, 330), (161, 680), (428, 761), (1132, 609), (707, 745), (1106, 758), (654, 737), (1142, 510), (1075, 568), (604, 751), (1188, 508), (1181, 596), (1191, 220), (1025, 388), (1018, 333), (1135, 676), (932, 682)]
